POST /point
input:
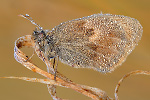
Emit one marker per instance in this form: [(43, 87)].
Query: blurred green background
[(49, 13)]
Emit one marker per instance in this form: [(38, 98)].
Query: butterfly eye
[(35, 32)]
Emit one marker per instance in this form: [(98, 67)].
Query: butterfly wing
[(100, 41)]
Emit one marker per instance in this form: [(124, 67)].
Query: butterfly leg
[(55, 70), (29, 58)]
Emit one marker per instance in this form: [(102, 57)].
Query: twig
[(127, 75), (61, 80)]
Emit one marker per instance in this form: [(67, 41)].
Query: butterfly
[(100, 41)]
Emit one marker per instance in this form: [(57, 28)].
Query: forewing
[(100, 41)]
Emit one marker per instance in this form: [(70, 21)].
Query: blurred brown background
[(49, 13)]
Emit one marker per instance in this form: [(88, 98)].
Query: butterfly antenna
[(26, 16)]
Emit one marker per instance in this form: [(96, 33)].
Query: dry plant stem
[(91, 92), (61, 80), (127, 75)]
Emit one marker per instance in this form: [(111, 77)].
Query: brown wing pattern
[(100, 41)]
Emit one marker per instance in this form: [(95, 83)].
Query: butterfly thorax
[(45, 42)]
